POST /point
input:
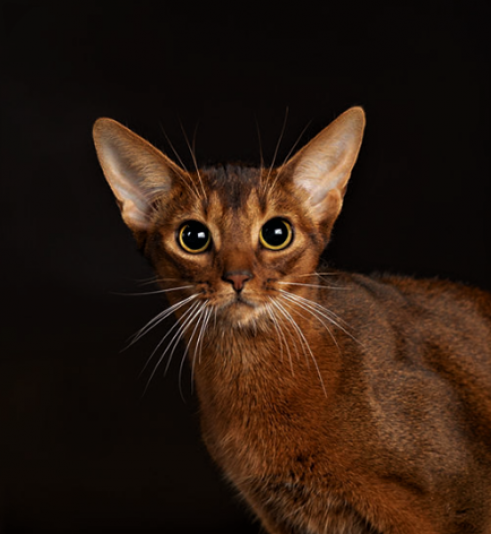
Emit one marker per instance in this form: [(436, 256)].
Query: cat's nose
[(237, 279)]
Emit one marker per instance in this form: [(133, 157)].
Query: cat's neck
[(251, 387), (269, 364)]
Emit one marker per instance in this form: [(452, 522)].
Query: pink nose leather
[(237, 279)]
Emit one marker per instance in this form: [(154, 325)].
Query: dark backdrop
[(82, 450)]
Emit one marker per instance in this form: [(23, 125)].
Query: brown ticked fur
[(372, 412)]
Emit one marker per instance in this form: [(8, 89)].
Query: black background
[(82, 449)]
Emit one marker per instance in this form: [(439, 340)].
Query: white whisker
[(283, 337), (314, 313), (159, 318), (295, 144), (304, 342), (275, 155), (313, 274), (287, 157), (195, 191), (176, 153), (261, 155), (168, 333), (310, 285), (199, 343), (156, 292), (181, 332), (296, 328), (332, 317), (188, 346), (191, 337), (282, 312), (195, 161), (279, 333), (186, 316)]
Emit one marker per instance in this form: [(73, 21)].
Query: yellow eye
[(276, 234), (194, 237)]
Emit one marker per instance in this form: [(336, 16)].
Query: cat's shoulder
[(401, 289), (427, 290)]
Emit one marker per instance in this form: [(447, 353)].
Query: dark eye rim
[(287, 241), (183, 245)]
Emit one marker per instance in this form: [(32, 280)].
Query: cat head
[(231, 235)]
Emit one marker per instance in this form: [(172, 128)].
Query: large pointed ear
[(322, 168), (136, 171)]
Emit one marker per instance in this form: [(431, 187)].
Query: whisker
[(297, 330), (315, 314), (188, 344), (261, 154), (181, 162), (199, 343), (195, 135), (328, 314), (147, 281), (175, 152), (311, 285), (186, 352), (195, 161), (275, 154), (181, 332), (156, 280), (287, 157), (281, 310), (179, 327), (314, 274), (191, 314), (282, 336), (332, 317), (159, 318), (156, 292), (306, 344), (290, 153), (274, 320)]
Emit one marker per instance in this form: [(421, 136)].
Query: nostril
[(237, 279)]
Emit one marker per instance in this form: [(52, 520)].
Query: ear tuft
[(323, 167), (135, 170)]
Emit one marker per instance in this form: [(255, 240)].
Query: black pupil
[(195, 235), (275, 232)]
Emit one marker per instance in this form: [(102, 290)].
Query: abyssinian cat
[(334, 402)]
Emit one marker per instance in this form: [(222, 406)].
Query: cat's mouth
[(240, 301), (239, 309)]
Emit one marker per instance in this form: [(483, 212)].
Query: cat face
[(237, 245), (231, 236)]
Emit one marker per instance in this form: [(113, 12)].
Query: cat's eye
[(276, 234), (194, 237)]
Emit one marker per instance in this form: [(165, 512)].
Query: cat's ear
[(136, 171), (322, 168)]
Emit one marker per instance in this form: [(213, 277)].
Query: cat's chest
[(258, 406), (255, 425), (286, 469)]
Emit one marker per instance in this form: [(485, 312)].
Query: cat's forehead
[(232, 185), (230, 195)]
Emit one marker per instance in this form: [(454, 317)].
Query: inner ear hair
[(322, 168), (136, 171)]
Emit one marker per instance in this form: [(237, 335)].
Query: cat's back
[(442, 296), (420, 361), (441, 322), (451, 310), (424, 344)]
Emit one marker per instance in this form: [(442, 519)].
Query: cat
[(334, 402)]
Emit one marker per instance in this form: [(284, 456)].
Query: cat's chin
[(241, 314)]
